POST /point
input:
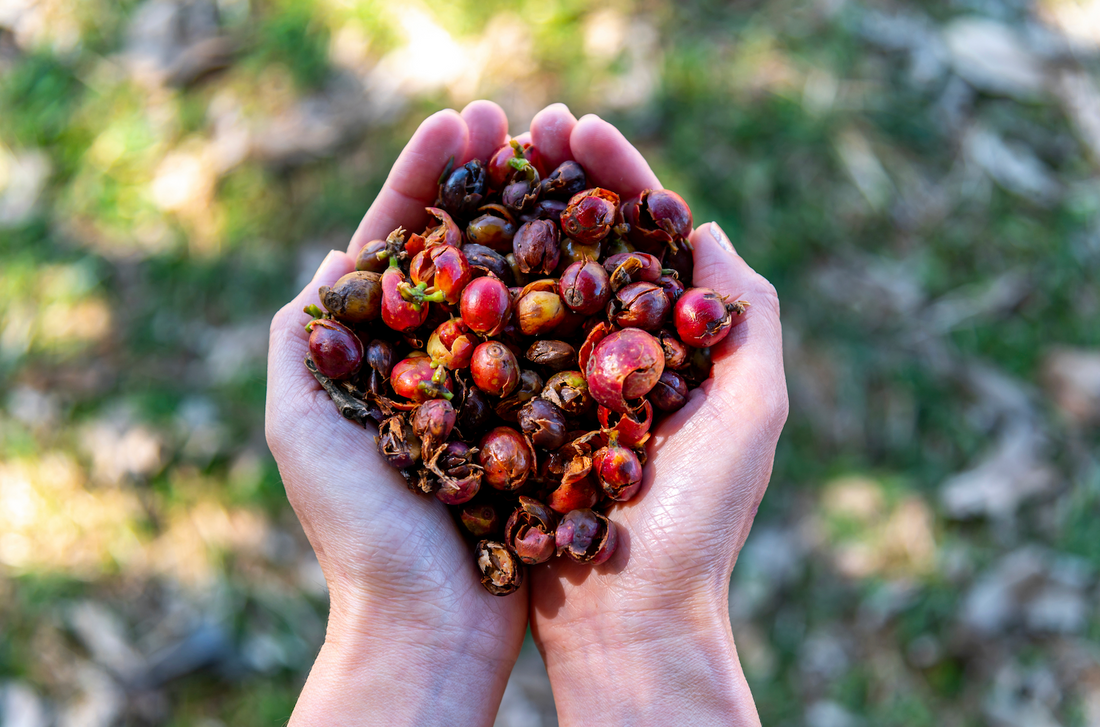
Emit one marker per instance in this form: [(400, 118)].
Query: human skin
[(413, 638), (645, 638)]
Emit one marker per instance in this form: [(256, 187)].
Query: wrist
[(375, 669), (640, 667)]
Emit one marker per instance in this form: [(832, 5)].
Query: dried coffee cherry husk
[(624, 365), (703, 317), (394, 443), (565, 181), (520, 196), (354, 298), (447, 232), (501, 570), (569, 392), (372, 257), (432, 422), (461, 193), (590, 215), (639, 305), (536, 247), (575, 495), (483, 261), (543, 423), (618, 470), (585, 287), (506, 457), (459, 477), (554, 355), (586, 536), (451, 344), (530, 385), (670, 393), (632, 267), (336, 351), (480, 519), (632, 427), (530, 531)]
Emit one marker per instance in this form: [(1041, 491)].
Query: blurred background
[(918, 178)]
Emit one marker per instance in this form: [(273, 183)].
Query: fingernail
[(721, 239)]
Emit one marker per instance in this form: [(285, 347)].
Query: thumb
[(748, 378), (745, 399)]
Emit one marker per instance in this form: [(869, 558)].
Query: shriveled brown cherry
[(585, 287), (461, 193), (459, 477), (493, 230), (535, 246), (543, 423), (335, 350), (530, 531), (639, 305), (494, 368), (658, 218), (590, 215), (624, 365), (485, 305), (670, 393), (506, 457), (554, 355), (372, 258), (569, 392), (703, 318), (618, 470), (586, 536), (354, 298), (432, 422), (565, 181), (530, 385), (676, 353)]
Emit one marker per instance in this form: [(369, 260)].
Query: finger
[(288, 380), (550, 131), (413, 181), (488, 127), (609, 159)]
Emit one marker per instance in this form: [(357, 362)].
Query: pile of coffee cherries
[(515, 354)]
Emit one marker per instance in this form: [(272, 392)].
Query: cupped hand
[(401, 579), (708, 467)]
